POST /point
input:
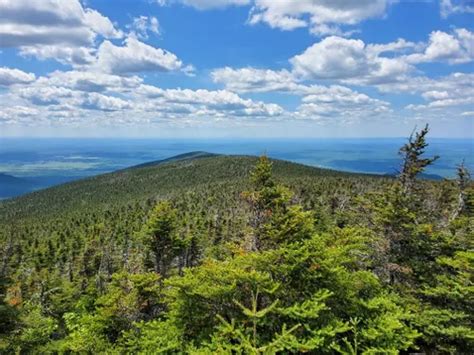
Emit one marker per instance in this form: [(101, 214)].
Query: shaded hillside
[(155, 179)]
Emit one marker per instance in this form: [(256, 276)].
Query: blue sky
[(236, 68)]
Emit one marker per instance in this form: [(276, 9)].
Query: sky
[(236, 68)]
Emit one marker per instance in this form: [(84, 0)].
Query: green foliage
[(152, 337), (225, 255), (413, 163), (447, 320), (160, 237)]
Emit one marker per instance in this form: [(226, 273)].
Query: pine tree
[(161, 238), (274, 218), (413, 163), (400, 216)]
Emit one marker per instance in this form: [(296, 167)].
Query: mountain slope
[(161, 179), (176, 158)]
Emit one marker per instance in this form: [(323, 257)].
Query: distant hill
[(159, 179), (176, 158)]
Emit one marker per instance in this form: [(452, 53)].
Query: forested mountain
[(232, 254)]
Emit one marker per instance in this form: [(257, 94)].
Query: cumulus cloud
[(202, 101), (349, 59), (455, 83), (254, 80), (12, 76), (96, 101), (454, 48), (17, 114), (388, 67), (51, 22), (317, 14), (76, 56), (339, 102), (45, 95), (350, 62), (70, 97), (134, 57), (354, 62), (318, 102), (100, 24), (90, 81), (455, 90), (53, 29)]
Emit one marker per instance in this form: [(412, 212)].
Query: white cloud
[(53, 29), (442, 104), (333, 57), (454, 84), (90, 81), (347, 61), (17, 114), (454, 91), (215, 102), (19, 35), (449, 7), (253, 80), (453, 48), (45, 95), (76, 56), (134, 57), (101, 24), (435, 95), (351, 60), (318, 14), (96, 101), (339, 102), (142, 25), (444, 96), (51, 22), (12, 76), (72, 97), (319, 102)]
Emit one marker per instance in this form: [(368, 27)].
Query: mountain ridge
[(159, 178)]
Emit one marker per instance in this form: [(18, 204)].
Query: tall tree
[(413, 163), (161, 238), (274, 218)]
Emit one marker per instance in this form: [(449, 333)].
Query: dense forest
[(207, 254)]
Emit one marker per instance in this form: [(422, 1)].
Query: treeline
[(260, 264)]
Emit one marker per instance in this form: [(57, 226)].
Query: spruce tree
[(161, 238), (413, 162)]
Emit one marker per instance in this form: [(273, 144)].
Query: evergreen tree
[(413, 163), (161, 238)]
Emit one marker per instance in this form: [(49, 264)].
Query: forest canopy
[(222, 254)]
